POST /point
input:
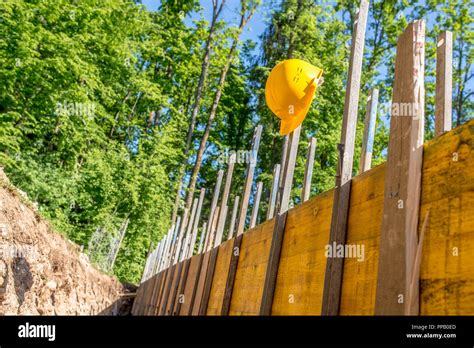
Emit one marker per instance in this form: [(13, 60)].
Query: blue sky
[(230, 14)]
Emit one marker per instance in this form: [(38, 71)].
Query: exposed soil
[(42, 273)]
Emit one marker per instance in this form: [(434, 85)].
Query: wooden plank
[(176, 249), (189, 231), (171, 286), (300, 278), (241, 222), (208, 281), (403, 176), (444, 83), (158, 289), (180, 298), (200, 283), (284, 156), (215, 198), (256, 205), (196, 223), (273, 192), (220, 278), (233, 218), (202, 238), (225, 198), (308, 170), (175, 288), (369, 131), (162, 291), (334, 266), (170, 279), (194, 269), (251, 270), (248, 181), (279, 229), (229, 286)]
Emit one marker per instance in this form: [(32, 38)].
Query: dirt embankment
[(42, 273)]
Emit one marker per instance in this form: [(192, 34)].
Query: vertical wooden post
[(398, 241), (203, 237), (273, 192), (180, 256), (284, 155), (280, 222), (210, 266), (189, 253), (308, 170), (444, 83), (225, 198), (215, 198), (342, 192), (189, 230), (369, 131), (256, 204), (233, 218), (234, 259), (196, 223), (248, 181), (181, 236)]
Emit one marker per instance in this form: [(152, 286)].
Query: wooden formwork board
[(250, 276), (180, 291), (173, 289), (220, 278), (447, 266), (163, 301), (190, 284), (199, 284), (300, 278)]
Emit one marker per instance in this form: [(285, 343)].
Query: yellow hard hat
[(289, 91)]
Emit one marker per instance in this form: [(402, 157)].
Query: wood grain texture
[(190, 283), (444, 83), (181, 287), (399, 240), (446, 275), (250, 276), (200, 283), (299, 287), (335, 266), (214, 306)]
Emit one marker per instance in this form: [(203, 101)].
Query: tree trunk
[(215, 104), (197, 101)]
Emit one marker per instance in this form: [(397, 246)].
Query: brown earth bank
[(42, 273)]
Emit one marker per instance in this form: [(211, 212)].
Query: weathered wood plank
[(248, 181), (194, 268), (233, 218), (273, 192), (220, 278), (241, 222), (369, 131), (334, 266), (225, 198), (279, 228), (308, 170), (444, 83), (215, 198), (251, 270), (256, 205), (403, 176)]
